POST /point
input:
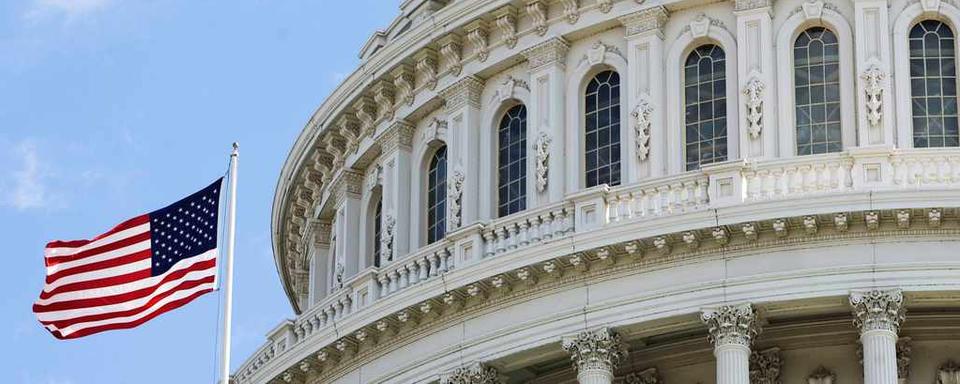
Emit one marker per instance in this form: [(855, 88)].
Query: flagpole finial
[(236, 148)]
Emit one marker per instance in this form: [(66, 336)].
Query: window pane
[(602, 130), (933, 85), (818, 95), (705, 84), (437, 196)]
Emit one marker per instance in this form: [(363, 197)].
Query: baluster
[(337, 310), (384, 284), (347, 305), (488, 245), (451, 262), (753, 190), (534, 232), (568, 220), (394, 281), (613, 205), (690, 195), (522, 234), (954, 166), (501, 239), (546, 221), (315, 321), (512, 239), (663, 200), (424, 268), (412, 270), (557, 223), (434, 265), (404, 282), (443, 259)]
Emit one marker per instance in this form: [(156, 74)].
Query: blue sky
[(113, 108)]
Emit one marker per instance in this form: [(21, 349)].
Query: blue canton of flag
[(184, 229)]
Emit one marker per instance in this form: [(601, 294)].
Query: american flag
[(141, 268)]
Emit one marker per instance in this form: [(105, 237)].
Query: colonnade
[(597, 353)]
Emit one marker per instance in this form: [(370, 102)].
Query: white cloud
[(27, 189)]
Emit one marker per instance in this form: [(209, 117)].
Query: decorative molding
[(476, 373), (877, 310), (542, 148), (436, 130), (506, 89), (648, 20), (647, 376), (904, 352), (754, 103), (605, 6), (746, 5), (465, 92), (813, 9), (765, 366), (477, 35), (948, 373), (403, 80), (731, 324), (929, 5), (398, 135), (537, 9), (571, 10), (383, 95), (350, 129), (426, 66), (551, 51), (599, 349), (506, 20), (597, 54), (700, 27), (455, 197), (822, 375), (386, 237), (450, 48), (642, 120), (873, 78), (365, 110)]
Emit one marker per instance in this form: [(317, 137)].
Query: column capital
[(398, 135), (349, 183), (465, 92), (476, 373), (747, 5), (645, 21), (551, 51), (731, 324), (597, 349), (877, 310)]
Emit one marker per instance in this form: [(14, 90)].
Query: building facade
[(629, 191)]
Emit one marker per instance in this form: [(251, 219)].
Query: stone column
[(346, 189), (320, 251), (874, 93), (463, 151), (546, 63), (595, 354), (396, 147), (476, 373), (755, 72), (732, 329), (647, 147), (878, 314)]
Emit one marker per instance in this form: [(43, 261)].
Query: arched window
[(602, 113), (705, 102), (512, 160), (377, 227), (933, 85), (816, 69), (437, 196)]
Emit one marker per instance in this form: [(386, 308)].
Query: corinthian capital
[(551, 51), (476, 373), (598, 349), (731, 324), (877, 310)]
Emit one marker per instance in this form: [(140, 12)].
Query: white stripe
[(66, 251), (99, 274), (127, 287), (127, 305), (119, 252), (66, 331)]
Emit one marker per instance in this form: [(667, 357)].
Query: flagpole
[(228, 270)]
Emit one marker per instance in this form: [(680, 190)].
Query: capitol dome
[(629, 191)]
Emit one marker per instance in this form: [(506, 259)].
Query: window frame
[(520, 163)]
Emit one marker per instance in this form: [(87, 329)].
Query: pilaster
[(755, 73), (878, 314), (396, 146), (731, 330), (462, 105), (875, 109), (647, 147), (346, 225), (595, 355), (476, 373), (546, 62)]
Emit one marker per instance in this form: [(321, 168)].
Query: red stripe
[(104, 264), (106, 327), (133, 311), (98, 283), (142, 219), (123, 297), (54, 260)]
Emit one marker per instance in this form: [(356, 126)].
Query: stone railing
[(734, 183), (529, 228)]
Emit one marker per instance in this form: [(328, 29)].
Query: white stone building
[(629, 191)]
